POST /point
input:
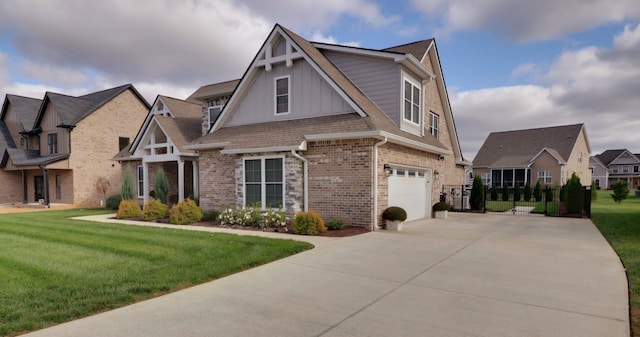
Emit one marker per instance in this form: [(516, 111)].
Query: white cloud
[(598, 87), (528, 20), (66, 77), (319, 37)]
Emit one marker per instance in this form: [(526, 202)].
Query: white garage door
[(411, 190)]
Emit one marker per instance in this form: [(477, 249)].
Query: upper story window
[(52, 143), (123, 142), (579, 157), (212, 114), (434, 122), (411, 108), (282, 92)]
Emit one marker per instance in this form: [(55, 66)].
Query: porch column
[(25, 191), (145, 183), (180, 179), (46, 186), (196, 179)]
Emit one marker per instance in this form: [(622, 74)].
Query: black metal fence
[(550, 201)]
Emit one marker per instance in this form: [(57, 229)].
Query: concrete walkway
[(470, 275)]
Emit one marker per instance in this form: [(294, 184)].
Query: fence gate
[(550, 201)]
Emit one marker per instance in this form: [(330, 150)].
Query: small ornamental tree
[(161, 186), (594, 191), (537, 191), (620, 191), (516, 193), (574, 199), (494, 193), (128, 182), (505, 192), (477, 194), (102, 186), (527, 192)]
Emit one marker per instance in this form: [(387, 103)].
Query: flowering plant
[(274, 218)]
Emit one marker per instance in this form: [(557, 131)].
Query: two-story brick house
[(613, 165), (340, 130), (55, 149)]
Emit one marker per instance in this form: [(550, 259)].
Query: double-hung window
[(411, 102), (212, 114), (544, 177), (264, 182), (434, 121), (282, 93), (52, 143)]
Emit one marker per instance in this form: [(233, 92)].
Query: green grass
[(53, 269), (620, 225)]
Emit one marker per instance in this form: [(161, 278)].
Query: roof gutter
[(392, 138), (207, 146)]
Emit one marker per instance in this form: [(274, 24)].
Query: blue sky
[(508, 64)]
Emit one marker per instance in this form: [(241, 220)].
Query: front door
[(38, 183)]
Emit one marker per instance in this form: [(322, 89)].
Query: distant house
[(55, 149), (340, 130), (549, 155), (619, 164), (599, 172)]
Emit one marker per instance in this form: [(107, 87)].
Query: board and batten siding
[(13, 124), (310, 96), (49, 124), (379, 79)]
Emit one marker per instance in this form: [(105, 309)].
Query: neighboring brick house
[(617, 165), (549, 155), (55, 149), (340, 130)]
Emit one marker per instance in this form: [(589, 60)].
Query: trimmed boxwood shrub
[(516, 193), (441, 206), (129, 209), (494, 193), (505, 192), (394, 213), (185, 212), (154, 210), (537, 192), (527, 192), (548, 195), (335, 224), (308, 223), (113, 202), (477, 194)]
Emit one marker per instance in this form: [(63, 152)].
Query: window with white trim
[(486, 178), (282, 92), (434, 122), (411, 106), (544, 177), (140, 181), (579, 157), (212, 114), (264, 182)]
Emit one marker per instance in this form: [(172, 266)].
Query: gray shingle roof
[(517, 148), (608, 156), (216, 89), (417, 49), (26, 109)]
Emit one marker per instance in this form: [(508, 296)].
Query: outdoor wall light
[(436, 172), (388, 170), (441, 157)]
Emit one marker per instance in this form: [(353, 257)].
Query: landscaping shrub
[(563, 192), (113, 202), (537, 192), (273, 219), (476, 199), (620, 191), (161, 186), (128, 209), (505, 192), (335, 224), (128, 184), (185, 212), (494, 193), (594, 191), (574, 198), (441, 206), (394, 213), (154, 210), (527, 192), (548, 194), (210, 215), (516, 193), (308, 223)]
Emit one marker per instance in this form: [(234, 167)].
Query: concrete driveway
[(470, 275)]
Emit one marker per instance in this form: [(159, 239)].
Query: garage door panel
[(412, 193)]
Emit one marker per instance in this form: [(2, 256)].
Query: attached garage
[(410, 188)]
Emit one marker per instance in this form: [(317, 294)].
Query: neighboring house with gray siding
[(340, 130), (549, 155), (621, 164)]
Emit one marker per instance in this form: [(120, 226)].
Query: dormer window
[(282, 92), (52, 143), (411, 102), (212, 114), (160, 106)]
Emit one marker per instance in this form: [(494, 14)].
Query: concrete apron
[(470, 275)]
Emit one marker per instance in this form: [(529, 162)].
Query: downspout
[(375, 182), (305, 168)]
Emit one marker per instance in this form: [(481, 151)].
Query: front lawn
[(53, 269), (620, 225)]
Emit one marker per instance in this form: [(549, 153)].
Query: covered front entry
[(410, 188)]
